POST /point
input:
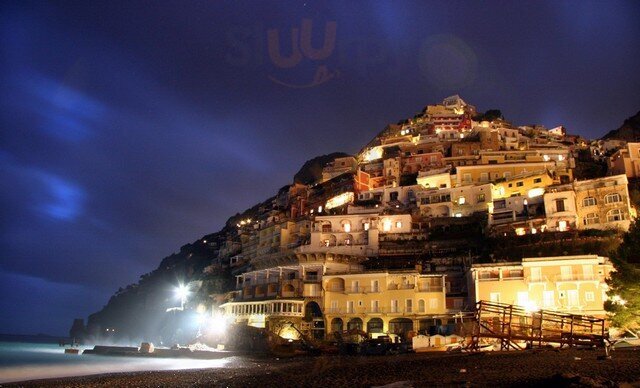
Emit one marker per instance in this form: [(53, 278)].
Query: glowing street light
[(182, 292)]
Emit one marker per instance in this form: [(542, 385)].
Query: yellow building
[(626, 161), (569, 284), (383, 302), (530, 185), (603, 203), (491, 172)]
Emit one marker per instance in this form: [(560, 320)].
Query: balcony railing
[(430, 288), (575, 277), (393, 287), (371, 310)]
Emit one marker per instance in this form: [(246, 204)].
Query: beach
[(569, 367)]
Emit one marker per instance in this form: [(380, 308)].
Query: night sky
[(131, 128)]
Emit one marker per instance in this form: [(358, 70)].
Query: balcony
[(576, 277), (371, 310), (393, 287), (356, 250), (430, 288), (312, 278)]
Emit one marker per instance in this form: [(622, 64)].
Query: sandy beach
[(526, 368)]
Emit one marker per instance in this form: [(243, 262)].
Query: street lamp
[(182, 292)]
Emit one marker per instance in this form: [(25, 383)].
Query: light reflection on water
[(27, 361)]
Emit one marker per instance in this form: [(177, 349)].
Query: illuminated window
[(481, 198), (366, 226), (347, 227), (398, 224), (461, 201), (548, 299), (589, 201), (615, 215), (591, 218), (520, 231), (562, 226), (612, 198), (386, 225), (320, 209)]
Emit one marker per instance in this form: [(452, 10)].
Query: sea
[(36, 357)]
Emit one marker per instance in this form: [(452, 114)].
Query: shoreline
[(523, 368)]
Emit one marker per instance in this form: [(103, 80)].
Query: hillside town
[(393, 240)]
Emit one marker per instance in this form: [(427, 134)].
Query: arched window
[(612, 198), (591, 218), (589, 201), (615, 215), (421, 306)]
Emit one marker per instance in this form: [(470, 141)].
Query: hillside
[(628, 131), (149, 310)]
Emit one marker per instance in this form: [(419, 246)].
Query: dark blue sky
[(130, 128)]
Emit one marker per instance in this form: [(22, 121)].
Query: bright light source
[(531, 306), (373, 154), (562, 226), (219, 323), (339, 200), (535, 192), (520, 231), (182, 292)]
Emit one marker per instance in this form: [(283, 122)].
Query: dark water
[(28, 361)]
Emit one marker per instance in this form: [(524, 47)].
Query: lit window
[(386, 225), (461, 201), (347, 227), (366, 226), (562, 226), (320, 209), (520, 231), (615, 215), (398, 224), (612, 198)]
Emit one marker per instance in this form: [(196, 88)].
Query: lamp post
[(182, 292)]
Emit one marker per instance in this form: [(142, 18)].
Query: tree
[(624, 283)]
